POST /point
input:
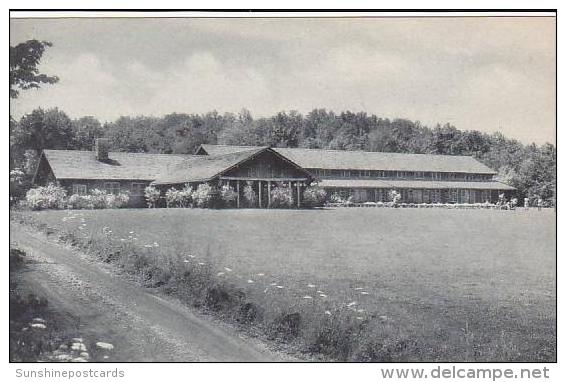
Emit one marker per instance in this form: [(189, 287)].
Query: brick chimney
[(101, 146)]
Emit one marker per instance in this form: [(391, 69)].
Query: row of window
[(400, 175), (416, 195), (136, 189)]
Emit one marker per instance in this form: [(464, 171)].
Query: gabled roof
[(203, 167), (424, 184), (223, 149), (75, 164), (364, 160)]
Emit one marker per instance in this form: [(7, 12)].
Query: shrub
[(117, 201), (250, 196), (337, 199), (152, 195), (172, 197), (314, 196), (97, 199), (203, 195), (228, 195), (51, 196), (281, 196), (394, 196), (179, 198)]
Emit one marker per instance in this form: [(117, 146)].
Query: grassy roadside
[(312, 326), (37, 331)]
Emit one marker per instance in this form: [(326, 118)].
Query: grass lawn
[(468, 284)]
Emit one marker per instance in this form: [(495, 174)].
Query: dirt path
[(141, 326)]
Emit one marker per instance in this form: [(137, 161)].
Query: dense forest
[(531, 168)]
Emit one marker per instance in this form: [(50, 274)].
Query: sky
[(487, 74)]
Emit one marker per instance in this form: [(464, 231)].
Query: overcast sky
[(488, 74)]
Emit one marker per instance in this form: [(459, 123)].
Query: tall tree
[(24, 71)]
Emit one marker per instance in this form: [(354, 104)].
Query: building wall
[(409, 195)]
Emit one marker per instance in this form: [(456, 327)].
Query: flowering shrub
[(98, 199), (203, 195), (152, 195), (394, 196), (117, 201), (78, 202), (51, 196), (250, 196), (228, 196), (314, 196), (337, 199), (281, 196), (179, 198)]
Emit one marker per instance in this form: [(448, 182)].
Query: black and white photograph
[(224, 187)]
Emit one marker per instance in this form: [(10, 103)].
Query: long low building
[(359, 176)]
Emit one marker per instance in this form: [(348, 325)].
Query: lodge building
[(360, 176)]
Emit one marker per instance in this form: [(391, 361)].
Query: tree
[(85, 131), (24, 61), (41, 129)]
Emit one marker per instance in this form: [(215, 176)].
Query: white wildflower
[(364, 293), (322, 295), (78, 346), (219, 273), (280, 286), (352, 303), (200, 263), (311, 285), (308, 297), (38, 326), (228, 269), (250, 281), (327, 312), (261, 274), (105, 345)]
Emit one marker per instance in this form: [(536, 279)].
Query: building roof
[(75, 164), (386, 183), (364, 160), (204, 167)]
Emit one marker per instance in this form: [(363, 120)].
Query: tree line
[(530, 168)]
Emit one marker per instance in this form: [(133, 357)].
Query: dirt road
[(142, 326)]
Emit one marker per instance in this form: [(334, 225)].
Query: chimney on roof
[(101, 146)]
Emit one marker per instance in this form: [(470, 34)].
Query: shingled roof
[(75, 164), (364, 160), (203, 167)]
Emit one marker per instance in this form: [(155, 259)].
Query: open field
[(449, 285)]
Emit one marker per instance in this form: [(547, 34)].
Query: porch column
[(259, 191), (298, 194), (268, 193), (238, 191)]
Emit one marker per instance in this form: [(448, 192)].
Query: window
[(436, 196), (137, 189), (112, 187), (346, 173), (419, 175), (453, 196), (79, 189), (365, 173), (400, 174)]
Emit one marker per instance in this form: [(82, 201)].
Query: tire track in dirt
[(142, 326)]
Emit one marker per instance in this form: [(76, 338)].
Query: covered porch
[(262, 187)]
